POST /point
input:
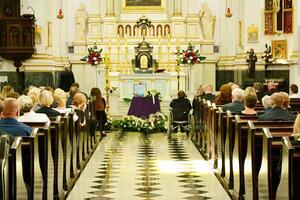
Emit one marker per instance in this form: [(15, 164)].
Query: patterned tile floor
[(135, 166)]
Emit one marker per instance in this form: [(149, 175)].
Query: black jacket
[(66, 79), (48, 111), (180, 108), (236, 107), (276, 114)]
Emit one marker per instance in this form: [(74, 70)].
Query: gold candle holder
[(107, 80)]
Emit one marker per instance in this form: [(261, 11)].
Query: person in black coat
[(208, 95), (66, 79), (277, 113), (237, 104)]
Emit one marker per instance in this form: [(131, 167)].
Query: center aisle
[(140, 166)]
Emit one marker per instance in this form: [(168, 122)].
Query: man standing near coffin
[(66, 78)]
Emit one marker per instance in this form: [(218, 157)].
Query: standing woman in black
[(100, 106)]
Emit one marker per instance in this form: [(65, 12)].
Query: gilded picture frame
[(137, 6), (279, 49), (252, 34)]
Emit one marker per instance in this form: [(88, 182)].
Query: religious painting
[(279, 49), (269, 4), (269, 23), (137, 5), (128, 30), (166, 30), (120, 31), (139, 89), (288, 4), (288, 22), (252, 34)]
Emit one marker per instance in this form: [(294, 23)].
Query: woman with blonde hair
[(45, 101), (60, 98), (6, 90), (296, 131), (100, 109), (34, 94)]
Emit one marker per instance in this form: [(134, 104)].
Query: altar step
[(122, 108)]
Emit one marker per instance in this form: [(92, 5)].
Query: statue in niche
[(207, 21), (144, 31), (81, 16), (143, 62), (128, 30), (135, 30), (120, 31), (159, 31), (252, 59), (167, 30)]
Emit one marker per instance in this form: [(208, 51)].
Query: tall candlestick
[(169, 57), (107, 83)]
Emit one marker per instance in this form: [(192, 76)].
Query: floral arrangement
[(94, 56), (190, 56), (155, 123), (152, 93), (267, 54)]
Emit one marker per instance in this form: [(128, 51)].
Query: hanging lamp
[(228, 10), (60, 14)]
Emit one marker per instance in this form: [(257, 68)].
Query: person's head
[(96, 92), (181, 94), (234, 86), (49, 88), (250, 90), (266, 101), (286, 100), (75, 84), (25, 103), (46, 98), (237, 94), (200, 90), (294, 89), (250, 100), (60, 97), (225, 93), (79, 101), (73, 90), (34, 94), (277, 99), (272, 86), (7, 89), (258, 86), (25, 91), (14, 95), (10, 108), (208, 89)]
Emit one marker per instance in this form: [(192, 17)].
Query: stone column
[(110, 10), (96, 7), (177, 7)]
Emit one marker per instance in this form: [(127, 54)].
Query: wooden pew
[(4, 167), (57, 155), (197, 117), (203, 145), (295, 104), (214, 133), (17, 187), (45, 158), (239, 152), (254, 153), (290, 171), (32, 172), (221, 141), (268, 177)]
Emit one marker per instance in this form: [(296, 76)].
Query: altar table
[(143, 106)]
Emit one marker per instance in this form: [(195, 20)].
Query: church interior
[(149, 99)]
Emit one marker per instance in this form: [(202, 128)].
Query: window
[(279, 16)]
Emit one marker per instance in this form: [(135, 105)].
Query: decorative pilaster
[(94, 23), (110, 8), (177, 20), (109, 20), (177, 8)]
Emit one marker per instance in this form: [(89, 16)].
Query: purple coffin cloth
[(143, 106)]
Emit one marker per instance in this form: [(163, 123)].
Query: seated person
[(29, 115), (249, 103), (79, 105), (237, 105), (9, 122), (60, 99), (45, 101), (267, 103), (259, 89), (294, 91), (277, 113), (225, 95), (272, 88), (286, 100), (296, 131), (208, 93), (181, 107)]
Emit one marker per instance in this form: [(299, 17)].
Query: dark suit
[(66, 80), (236, 106), (209, 97), (260, 95), (14, 127), (276, 114), (48, 111)]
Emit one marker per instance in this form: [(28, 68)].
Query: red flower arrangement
[(189, 56), (267, 54), (94, 56)]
